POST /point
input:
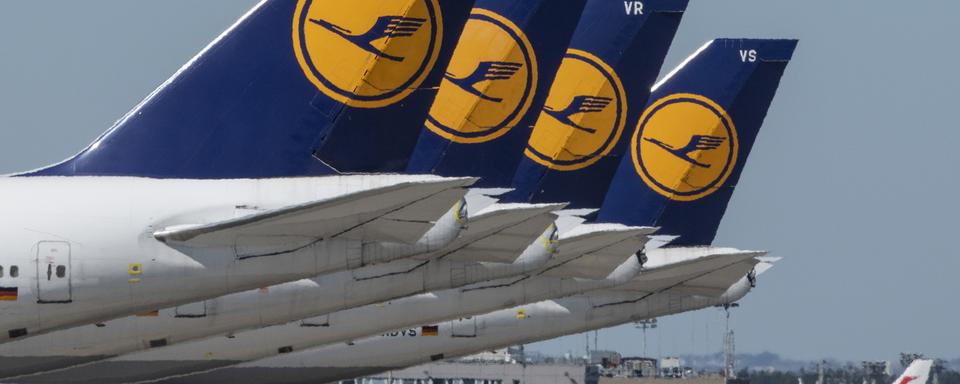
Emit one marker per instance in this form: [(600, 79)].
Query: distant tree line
[(846, 375)]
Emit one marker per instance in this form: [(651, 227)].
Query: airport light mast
[(729, 347), (729, 356), (643, 325)]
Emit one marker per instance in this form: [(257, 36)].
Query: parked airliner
[(635, 60)]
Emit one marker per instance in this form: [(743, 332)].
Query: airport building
[(484, 373), (513, 366)]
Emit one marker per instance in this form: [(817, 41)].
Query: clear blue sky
[(853, 178)]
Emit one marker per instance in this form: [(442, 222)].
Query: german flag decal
[(430, 330), (8, 293)]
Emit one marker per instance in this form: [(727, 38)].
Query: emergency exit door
[(53, 272)]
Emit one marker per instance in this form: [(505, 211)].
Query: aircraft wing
[(715, 283), (399, 212), (593, 251), (409, 223), (703, 270), (505, 234)]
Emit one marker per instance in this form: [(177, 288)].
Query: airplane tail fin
[(916, 373), (279, 91), (601, 88), (692, 141), (493, 89)]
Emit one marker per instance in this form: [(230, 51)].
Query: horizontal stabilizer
[(347, 214), (593, 251)]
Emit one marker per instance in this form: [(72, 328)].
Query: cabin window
[(14, 271), (1, 271), (61, 271)]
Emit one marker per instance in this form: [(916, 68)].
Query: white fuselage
[(406, 347), (85, 249), (336, 327), (255, 309), (519, 325)]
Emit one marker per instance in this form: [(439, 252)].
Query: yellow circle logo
[(370, 53), (489, 83), (583, 117), (685, 146)]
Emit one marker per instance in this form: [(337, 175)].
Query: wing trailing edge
[(375, 214)]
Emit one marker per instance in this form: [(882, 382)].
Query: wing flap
[(505, 245), (410, 223), (593, 251), (316, 220), (716, 283), (687, 265), (489, 225)]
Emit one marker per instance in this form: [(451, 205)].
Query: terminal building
[(484, 373), (512, 366)]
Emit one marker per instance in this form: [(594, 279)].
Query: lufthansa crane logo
[(369, 53), (489, 83), (685, 147), (583, 116)]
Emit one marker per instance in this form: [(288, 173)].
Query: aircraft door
[(464, 327), (53, 272)]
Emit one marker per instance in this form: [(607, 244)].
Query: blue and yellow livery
[(367, 54), (690, 144), (603, 83), (494, 87), (294, 88)]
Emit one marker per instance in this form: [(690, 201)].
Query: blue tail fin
[(270, 95), (692, 141), (493, 89), (603, 83)]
